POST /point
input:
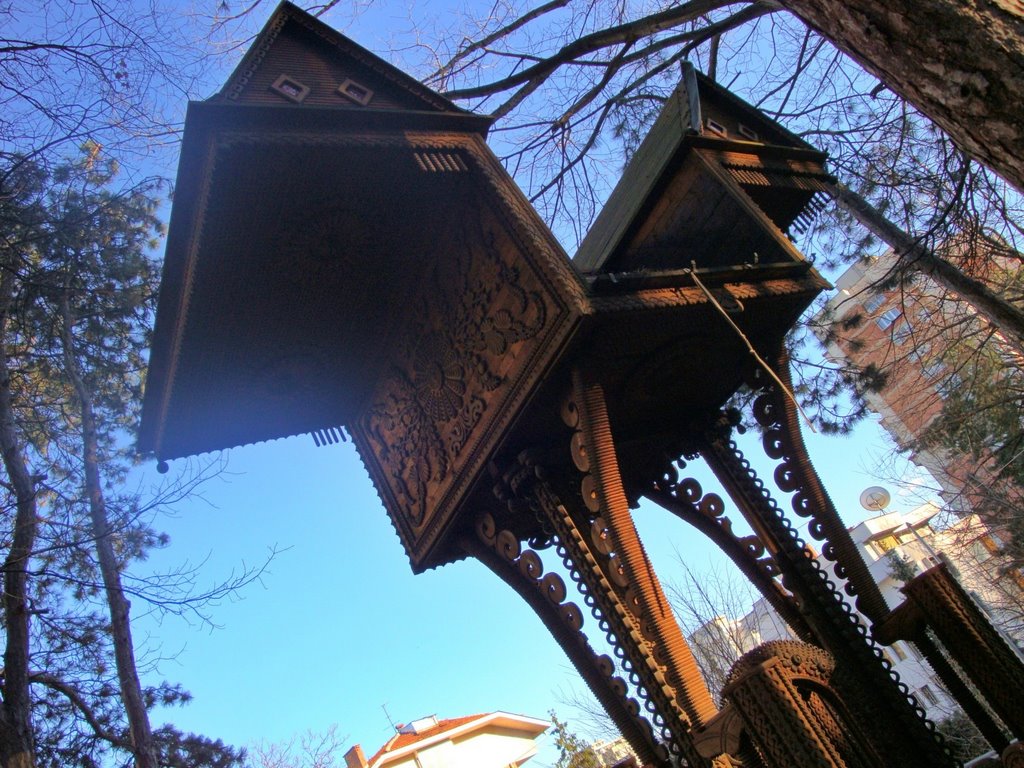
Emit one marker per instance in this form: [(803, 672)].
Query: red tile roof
[(401, 740)]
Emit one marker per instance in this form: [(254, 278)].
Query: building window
[(902, 332), (888, 317), (874, 302), (748, 133), (934, 369), (928, 695), (900, 653), (716, 127)]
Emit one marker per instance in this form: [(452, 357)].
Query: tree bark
[(961, 62), (1000, 314), (16, 738), (143, 746)]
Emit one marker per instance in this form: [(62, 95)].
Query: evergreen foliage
[(573, 751), (77, 295)]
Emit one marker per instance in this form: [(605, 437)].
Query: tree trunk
[(124, 651), (16, 740), (1000, 314), (961, 62)]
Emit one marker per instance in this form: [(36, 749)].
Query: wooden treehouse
[(345, 252)]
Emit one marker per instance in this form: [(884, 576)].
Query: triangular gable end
[(297, 59)]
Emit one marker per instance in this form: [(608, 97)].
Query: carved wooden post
[(545, 593), (786, 694), (586, 511), (604, 495), (937, 601), (901, 729)]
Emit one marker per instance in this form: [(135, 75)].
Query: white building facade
[(895, 546)]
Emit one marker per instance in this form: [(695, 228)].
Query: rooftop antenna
[(875, 498), (388, 716)]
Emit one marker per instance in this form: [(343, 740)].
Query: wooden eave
[(659, 151), (214, 132)]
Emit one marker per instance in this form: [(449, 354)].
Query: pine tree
[(77, 295)]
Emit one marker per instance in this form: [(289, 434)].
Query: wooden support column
[(874, 692), (798, 474), (549, 493), (605, 491), (936, 600), (545, 593)]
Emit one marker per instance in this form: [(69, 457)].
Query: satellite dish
[(875, 498)]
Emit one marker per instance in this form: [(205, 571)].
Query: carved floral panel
[(478, 324)]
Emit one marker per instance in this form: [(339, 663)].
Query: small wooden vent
[(716, 127), (748, 133), (440, 162), (360, 94), (290, 88)]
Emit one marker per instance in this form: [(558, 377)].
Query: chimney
[(355, 758)]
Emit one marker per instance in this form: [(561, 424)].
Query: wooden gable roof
[(268, 202), (351, 259), (361, 259), (715, 182)]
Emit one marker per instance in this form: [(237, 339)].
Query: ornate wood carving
[(795, 473), (832, 620), (521, 568), (785, 693), (972, 642), (603, 494), (485, 317), (907, 622), (565, 500), (592, 560), (454, 364), (705, 512)]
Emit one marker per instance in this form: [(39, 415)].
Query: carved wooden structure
[(346, 252)]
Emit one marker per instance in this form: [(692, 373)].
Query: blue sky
[(338, 627)]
